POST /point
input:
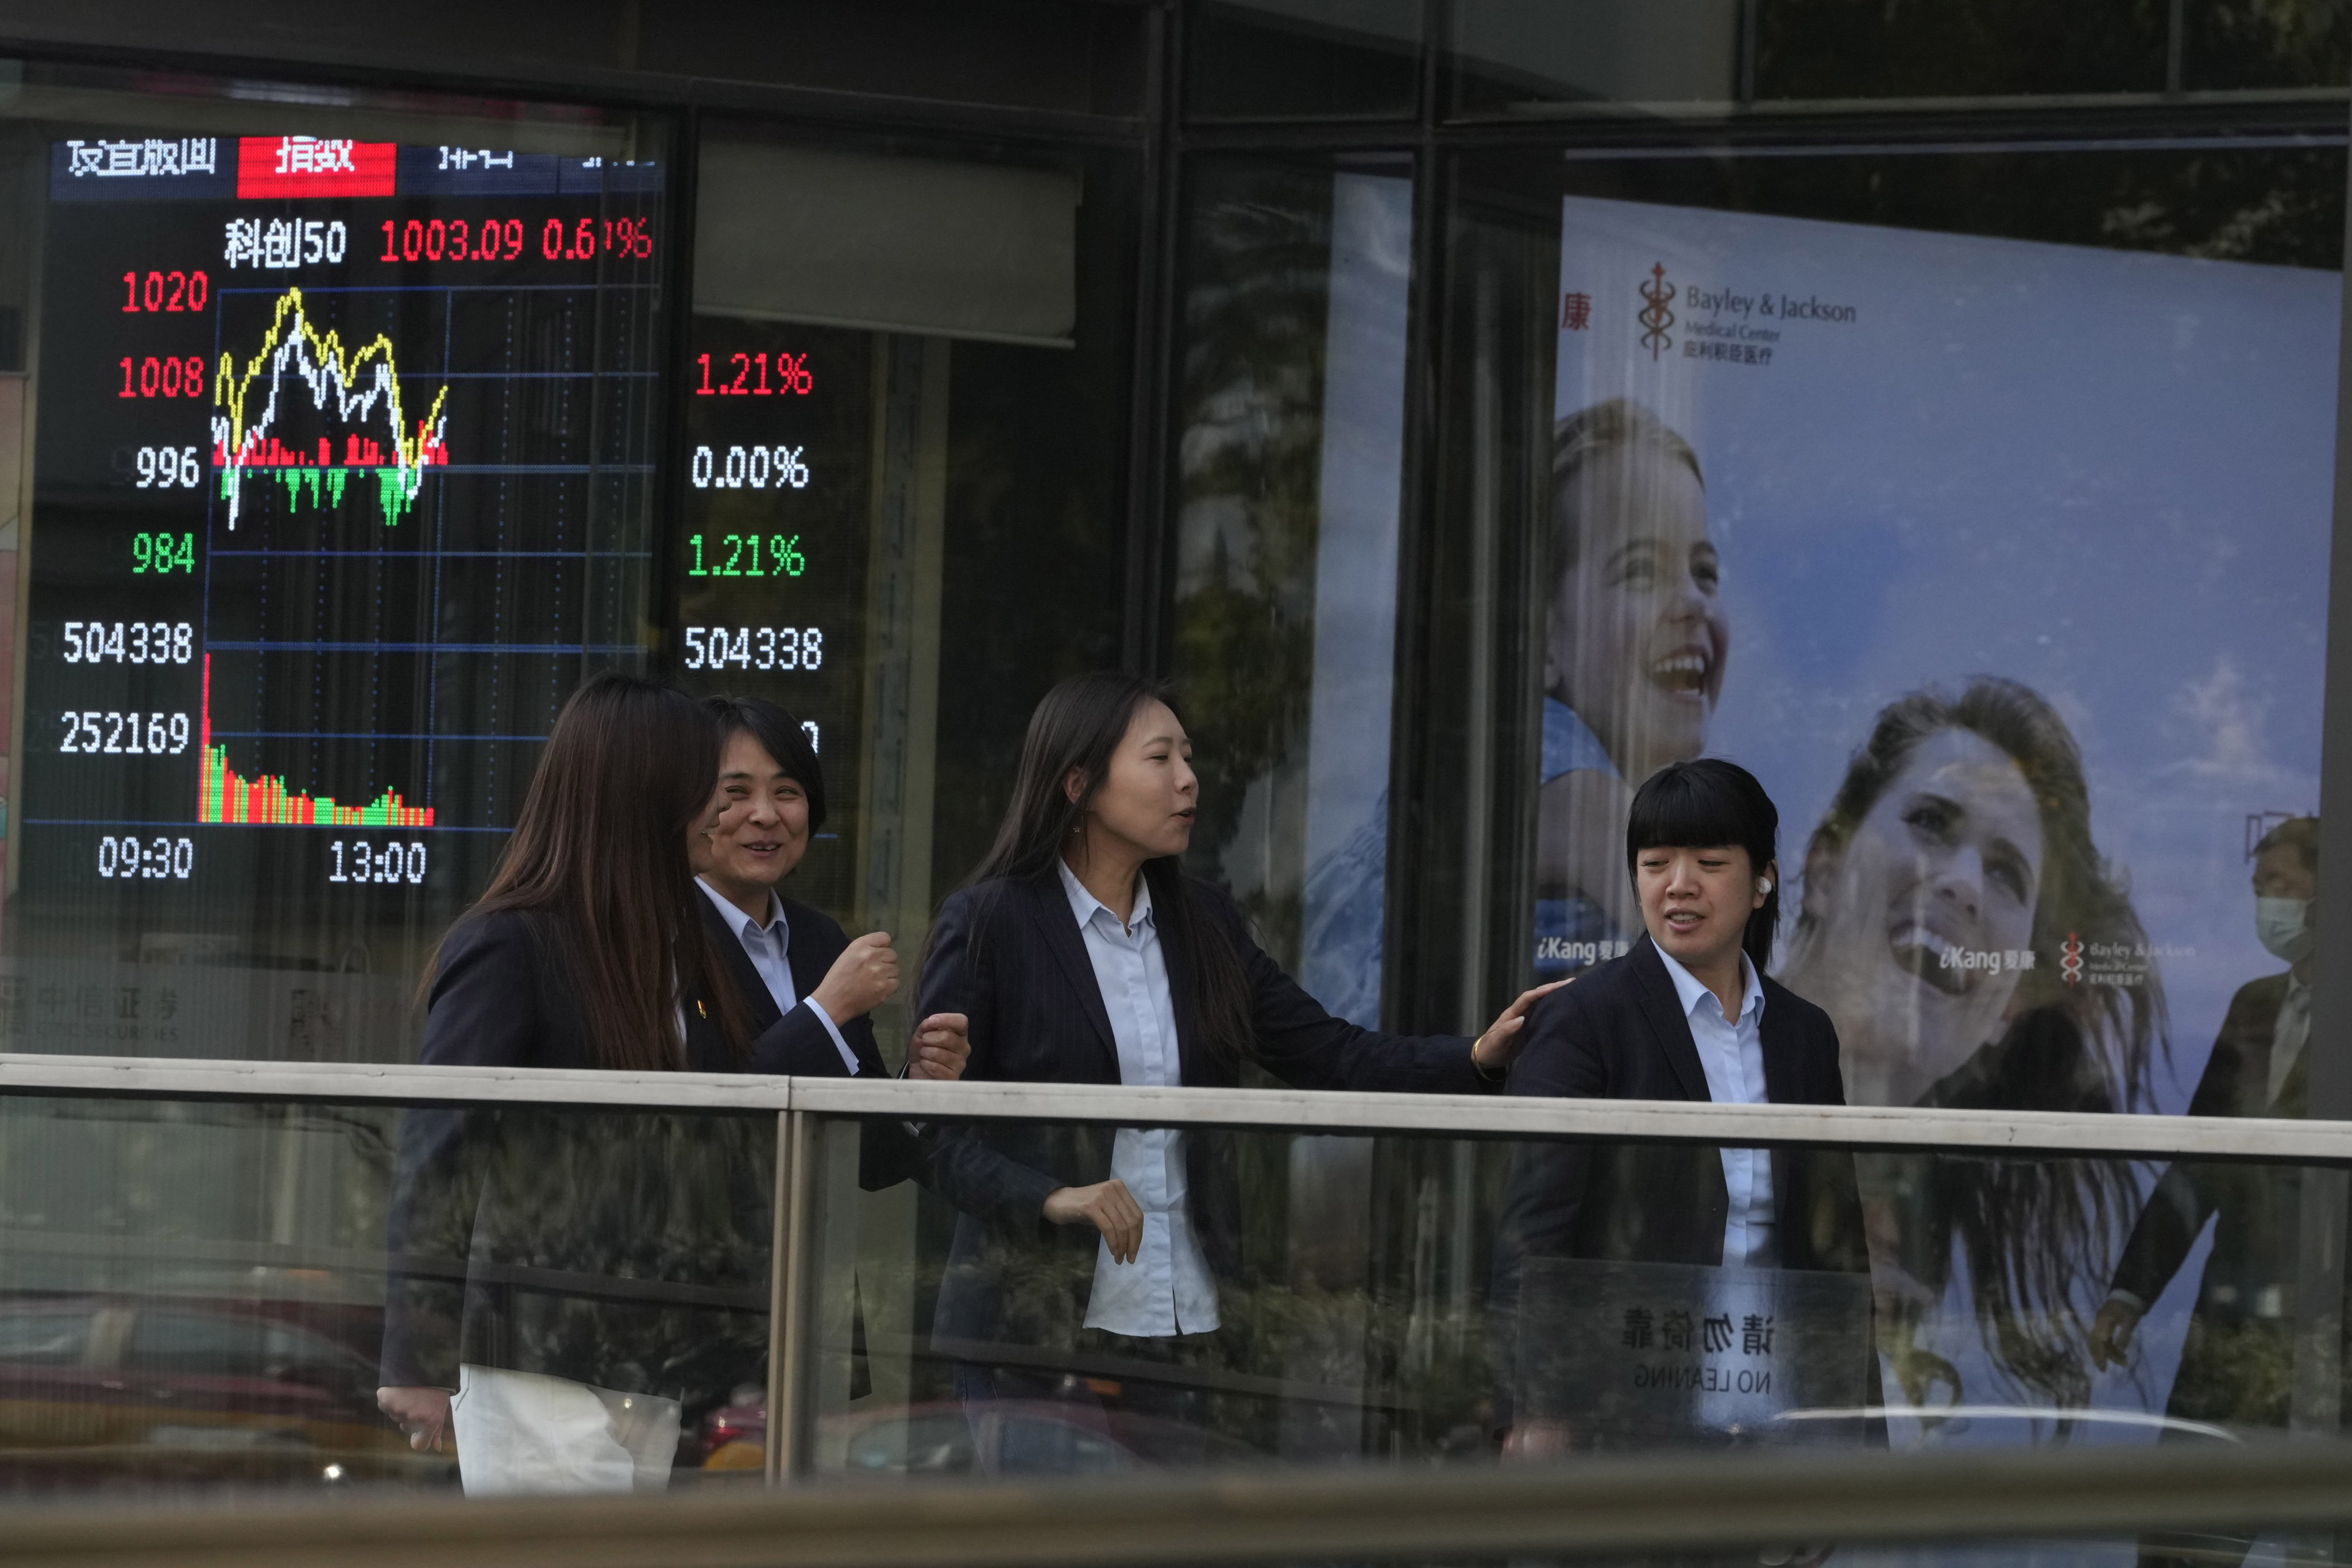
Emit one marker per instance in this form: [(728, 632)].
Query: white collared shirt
[(769, 947), (1167, 1289), (1732, 1055)]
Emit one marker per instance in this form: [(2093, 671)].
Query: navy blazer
[(1620, 1032), (1009, 955), (794, 1042), (624, 1250)]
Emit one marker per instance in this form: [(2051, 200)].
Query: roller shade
[(902, 245)]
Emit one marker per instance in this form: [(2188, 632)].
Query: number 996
[(169, 468)]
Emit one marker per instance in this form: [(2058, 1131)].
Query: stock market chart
[(344, 478)]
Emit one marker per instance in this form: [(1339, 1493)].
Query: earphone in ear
[(1763, 886)]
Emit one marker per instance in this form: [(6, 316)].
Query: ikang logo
[(1654, 317), (2070, 967)]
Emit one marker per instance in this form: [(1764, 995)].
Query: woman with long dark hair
[(562, 1239), (1080, 952), (1951, 880)]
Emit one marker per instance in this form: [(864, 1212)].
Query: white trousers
[(521, 1433)]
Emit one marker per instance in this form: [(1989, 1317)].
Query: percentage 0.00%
[(749, 468)]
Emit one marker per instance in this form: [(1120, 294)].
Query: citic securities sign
[(269, 166)]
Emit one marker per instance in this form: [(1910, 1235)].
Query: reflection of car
[(1004, 1436), (94, 1389)]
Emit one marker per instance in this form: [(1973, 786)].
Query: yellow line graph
[(325, 365)]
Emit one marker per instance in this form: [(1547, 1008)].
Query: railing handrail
[(1642, 1506), (1301, 1110)]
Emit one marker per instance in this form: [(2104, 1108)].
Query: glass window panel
[(1511, 58), (1850, 49), (2225, 43), (347, 413), (1304, 59), (1296, 288), (1055, 55), (904, 438), (1695, 333)]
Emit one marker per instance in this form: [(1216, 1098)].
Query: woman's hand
[(941, 1045), (422, 1413), (1496, 1048), (2112, 1330), (860, 980), (1109, 1207)]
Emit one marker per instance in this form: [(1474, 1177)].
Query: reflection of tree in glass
[(1248, 471)]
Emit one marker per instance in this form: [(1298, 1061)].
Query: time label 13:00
[(381, 865)]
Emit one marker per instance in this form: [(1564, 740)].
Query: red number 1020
[(752, 373), (165, 291)]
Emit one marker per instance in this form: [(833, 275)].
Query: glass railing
[(1455, 1293), (209, 1273), (199, 1294)]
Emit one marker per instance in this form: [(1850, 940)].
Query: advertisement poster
[(2003, 565)]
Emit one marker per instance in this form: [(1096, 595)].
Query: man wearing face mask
[(2236, 1367)]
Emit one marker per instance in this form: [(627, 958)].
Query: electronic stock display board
[(345, 468)]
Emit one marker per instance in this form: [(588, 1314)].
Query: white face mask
[(2285, 927)]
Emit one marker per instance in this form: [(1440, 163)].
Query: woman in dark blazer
[(1081, 953), (1687, 1014), (808, 989), (586, 1281)]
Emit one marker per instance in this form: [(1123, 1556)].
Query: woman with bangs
[(1689, 1014)]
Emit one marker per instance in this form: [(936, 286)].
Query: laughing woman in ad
[(1941, 891), (1634, 644)]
